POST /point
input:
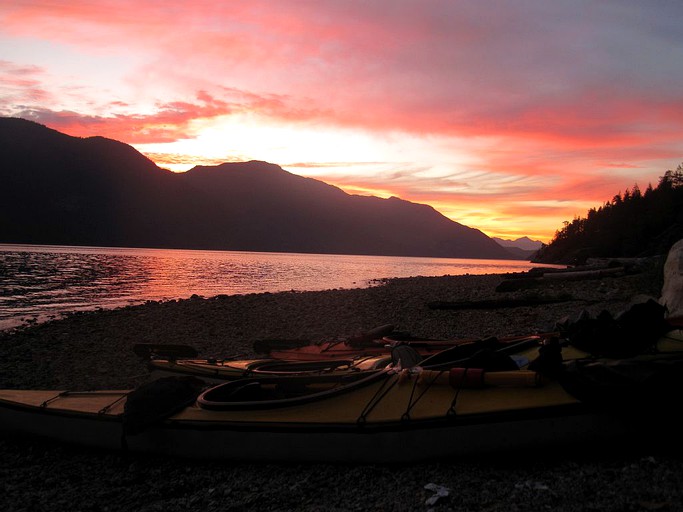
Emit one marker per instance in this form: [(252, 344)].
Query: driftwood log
[(533, 280), (499, 303)]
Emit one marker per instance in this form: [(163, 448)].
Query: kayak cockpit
[(269, 392)]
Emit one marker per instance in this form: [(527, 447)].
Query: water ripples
[(42, 282)]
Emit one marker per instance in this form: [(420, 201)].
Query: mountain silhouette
[(524, 243), (522, 248), (59, 189)]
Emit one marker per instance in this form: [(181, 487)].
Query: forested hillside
[(632, 224)]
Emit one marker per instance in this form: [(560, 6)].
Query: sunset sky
[(507, 116)]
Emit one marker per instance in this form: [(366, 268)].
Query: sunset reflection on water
[(44, 281)]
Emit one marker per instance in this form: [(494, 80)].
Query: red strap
[(466, 377)]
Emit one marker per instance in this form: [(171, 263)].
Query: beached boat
[(374, 343), (396, 414), (333, 350), (162, 363), (425, 347)]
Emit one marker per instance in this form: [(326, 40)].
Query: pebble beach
[(94, 350)]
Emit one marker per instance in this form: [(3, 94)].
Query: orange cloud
[(525, 111)]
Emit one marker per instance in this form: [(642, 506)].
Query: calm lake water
[(43, 282)]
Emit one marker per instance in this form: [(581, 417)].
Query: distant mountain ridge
[(60, 189), (524, 243), (523, 248)]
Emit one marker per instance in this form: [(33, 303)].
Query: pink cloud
[(169, 122), (20, 84), (432, 68), (560, 102)]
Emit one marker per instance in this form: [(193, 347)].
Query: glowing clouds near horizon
[(509, 118), (475, 198)]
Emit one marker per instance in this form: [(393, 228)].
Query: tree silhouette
[(632, 224)]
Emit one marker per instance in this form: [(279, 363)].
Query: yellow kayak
[(394, 414)]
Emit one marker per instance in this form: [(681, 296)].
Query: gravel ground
[(94, 351)]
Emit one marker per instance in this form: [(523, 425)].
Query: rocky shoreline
[(94, 351)]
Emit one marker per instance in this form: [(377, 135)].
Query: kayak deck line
[(63, 394)]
